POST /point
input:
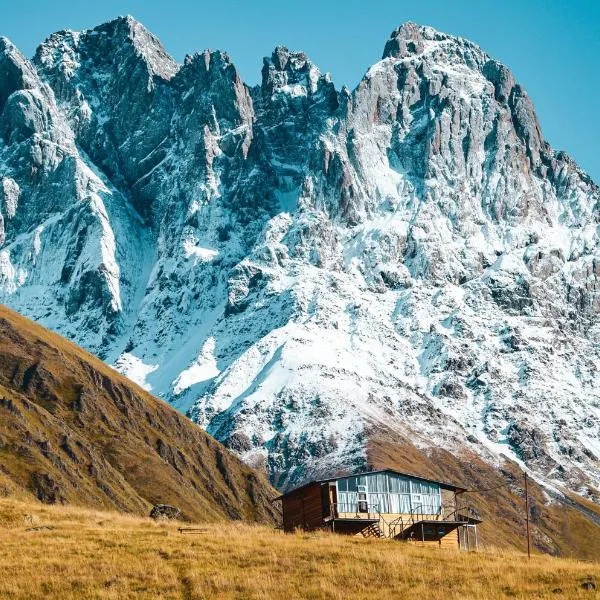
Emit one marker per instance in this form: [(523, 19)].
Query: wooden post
[(527, 518), (303, 511)]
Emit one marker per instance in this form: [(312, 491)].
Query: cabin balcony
[(414, 526)]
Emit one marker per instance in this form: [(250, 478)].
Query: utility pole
[(527, 518)]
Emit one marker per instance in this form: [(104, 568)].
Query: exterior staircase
[(373, 530)]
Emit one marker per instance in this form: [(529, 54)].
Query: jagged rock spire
[(404, 41), (292, 71), (16, 72)]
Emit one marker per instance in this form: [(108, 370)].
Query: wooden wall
[(302, 509), (448, 503), (449, 541)]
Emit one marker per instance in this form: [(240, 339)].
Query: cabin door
[(363, 502), (333, 502)]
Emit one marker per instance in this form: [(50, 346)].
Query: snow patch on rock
[(11, 194), (135, 369)]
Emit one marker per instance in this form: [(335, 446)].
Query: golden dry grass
[(111, 556)]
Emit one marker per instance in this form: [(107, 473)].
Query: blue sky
[(552, 46)]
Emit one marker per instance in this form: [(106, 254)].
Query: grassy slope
[(111, 556), (72, 430)]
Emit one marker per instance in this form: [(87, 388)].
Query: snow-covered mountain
[(296, 265)]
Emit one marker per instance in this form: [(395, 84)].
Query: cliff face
[(72, 430), (298, 266)]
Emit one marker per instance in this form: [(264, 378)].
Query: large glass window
[(377, 485), (347, 495), (353, 483), (390, 493), (425, 497), (399, 485), (400, 503)]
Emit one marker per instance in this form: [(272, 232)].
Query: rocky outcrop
[(295, 265), (165, 512)]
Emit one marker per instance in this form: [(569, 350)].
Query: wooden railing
[(462, 513), (352, 508), (396, 527)]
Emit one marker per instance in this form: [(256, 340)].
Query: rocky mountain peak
[(128, 30), (411, 42), (16, 72), (406, 40), (289, 72), (310, 265), (115, 45), (214, 95), (205, 67)]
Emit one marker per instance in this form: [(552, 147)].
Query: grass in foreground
[(86, 554)]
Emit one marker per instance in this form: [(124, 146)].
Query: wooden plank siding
[(303, 509), (449, 541)]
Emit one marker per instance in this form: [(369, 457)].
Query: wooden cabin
[(384, 503)]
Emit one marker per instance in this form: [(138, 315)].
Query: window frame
[(421, 495)]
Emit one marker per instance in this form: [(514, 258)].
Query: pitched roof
[(442, 484)]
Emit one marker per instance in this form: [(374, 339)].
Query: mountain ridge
[(294, 265)]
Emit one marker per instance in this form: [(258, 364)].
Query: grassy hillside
[(71, 553), (72, 430)]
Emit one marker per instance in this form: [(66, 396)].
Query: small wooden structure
[(384, 503), (191, 530)]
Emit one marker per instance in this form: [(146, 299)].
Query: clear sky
[(552, 46)]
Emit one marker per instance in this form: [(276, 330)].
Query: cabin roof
[(442, 484)]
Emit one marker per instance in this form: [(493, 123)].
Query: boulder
[(165, 512)]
